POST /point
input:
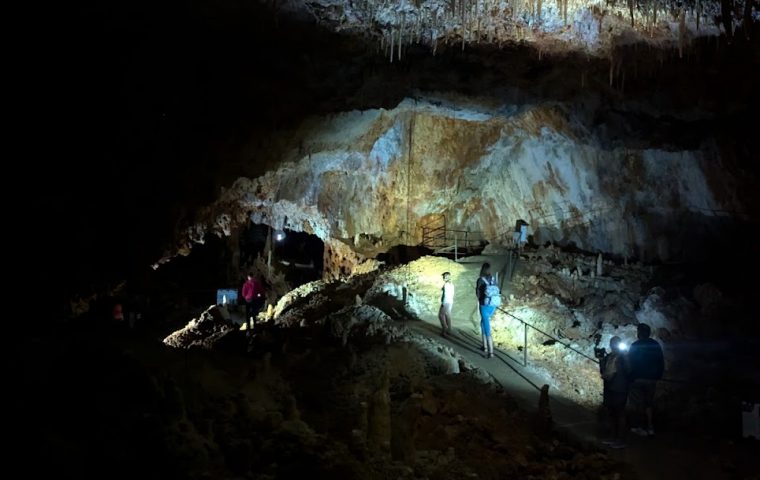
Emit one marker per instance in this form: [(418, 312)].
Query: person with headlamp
[(615, 391)]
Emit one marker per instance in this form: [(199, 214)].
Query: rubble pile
[(210, 326)]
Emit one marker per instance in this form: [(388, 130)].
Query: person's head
[(250, 276), (117, 312), (446, 276), (485, 270), (615, 344), (643, 331)]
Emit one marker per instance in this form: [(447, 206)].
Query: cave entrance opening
[(192, 280), (298, 255)]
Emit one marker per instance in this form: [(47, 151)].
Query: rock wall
[(340, 261), (483, 166), (588, 25)]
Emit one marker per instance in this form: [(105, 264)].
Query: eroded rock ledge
[(384, 173)]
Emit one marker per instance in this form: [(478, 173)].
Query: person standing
[(447, 303), (487, 303), (615, 391), (523, 235), (645, 367), (253, 294)]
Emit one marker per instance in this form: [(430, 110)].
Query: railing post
[(525, 344)]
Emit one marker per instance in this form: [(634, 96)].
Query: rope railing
[(526, 325), (525, 338)]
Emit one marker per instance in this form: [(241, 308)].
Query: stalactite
[(630, 8), (698, 10), (622, 83), (401, 35), (654, 13), (747, 20), (612, 72), (464, 25), (538, 8), (681, 33), (726, 12), (564, 11), (392, 45)]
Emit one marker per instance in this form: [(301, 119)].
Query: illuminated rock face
[(386, 172)]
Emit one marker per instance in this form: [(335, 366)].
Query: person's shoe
[(640, 431), (482, 349), (490, 355)]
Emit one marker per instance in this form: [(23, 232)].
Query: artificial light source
[(623, 347), (279, 235)]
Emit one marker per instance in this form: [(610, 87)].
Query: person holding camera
[(612, 367)]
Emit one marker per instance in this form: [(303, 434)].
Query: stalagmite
[(599, 263)]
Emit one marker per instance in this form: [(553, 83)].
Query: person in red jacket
[(253, 294)]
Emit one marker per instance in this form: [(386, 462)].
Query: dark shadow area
[(401, 254), (300, 255)]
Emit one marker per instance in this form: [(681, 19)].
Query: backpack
[(492, 293)]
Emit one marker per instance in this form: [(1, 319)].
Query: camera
[(600, 352)]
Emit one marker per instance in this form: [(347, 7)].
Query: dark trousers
[(252, 309)]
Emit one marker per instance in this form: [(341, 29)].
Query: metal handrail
[(525, 338)]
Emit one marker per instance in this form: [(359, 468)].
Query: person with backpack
[(489, 297), (645, 367)]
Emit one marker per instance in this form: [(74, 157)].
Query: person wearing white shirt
[(447, 303)]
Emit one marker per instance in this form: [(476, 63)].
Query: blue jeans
[(486, 312)]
